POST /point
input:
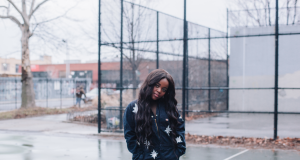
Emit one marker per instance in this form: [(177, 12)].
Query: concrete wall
[(252, 66)]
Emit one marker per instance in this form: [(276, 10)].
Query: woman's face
[(160, 89)]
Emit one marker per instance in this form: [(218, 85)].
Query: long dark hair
[(143, 128)]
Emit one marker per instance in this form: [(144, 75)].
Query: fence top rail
[(242, 10), (171, 16), (213, 37), (67, 79)]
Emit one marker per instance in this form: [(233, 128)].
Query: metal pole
[(68, 62), (60, 93), (121, 66), (74, 91), (157, 40), (67, 59), (276, 74), (47, 90), (16, 92), (209, 85), (184, 62), (187, 70), (99, 68), (227, 59)]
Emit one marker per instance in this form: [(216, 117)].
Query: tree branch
[(36, 8), (14, 19), (4, 7), (24, 19), (49, 20), (32, 6), (295, 12)]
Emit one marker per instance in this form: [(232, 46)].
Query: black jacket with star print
[(162, 147)]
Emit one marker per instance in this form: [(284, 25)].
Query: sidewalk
[(37, 100), (238, 125), (50, 124)]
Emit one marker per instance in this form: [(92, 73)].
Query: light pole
[(67, 59)]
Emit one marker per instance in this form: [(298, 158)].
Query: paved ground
[(47, 124), (247, 125), (34, 146), (51, 103), (49, 138)]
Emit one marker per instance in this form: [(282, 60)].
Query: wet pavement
[(33, 146), (239, 125), (48, 138), (245, 125), (47, 124), (51, 103)]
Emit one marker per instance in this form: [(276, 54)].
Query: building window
[(17, 68), (62, 74), (5, 66)]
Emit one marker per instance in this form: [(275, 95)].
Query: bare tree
[(259, 11), (288, 11), (295, 11), (26, 21), (137, 25)]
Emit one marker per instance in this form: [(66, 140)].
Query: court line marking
[(244, 151)]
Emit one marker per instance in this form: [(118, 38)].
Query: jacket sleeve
[(129, 133), (181, 145)]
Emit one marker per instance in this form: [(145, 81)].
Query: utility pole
[(67, 59)]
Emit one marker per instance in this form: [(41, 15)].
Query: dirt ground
[(39, 111)]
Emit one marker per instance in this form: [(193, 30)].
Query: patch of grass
[(38, 111)]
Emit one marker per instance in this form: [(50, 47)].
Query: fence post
[(276, 75), (187, 70), (227, 58), (74, 90), (99, 69), (61, 93), (209, 85), (184, 62), (16, 100), (47, 91), (121, 66), (157, 39)]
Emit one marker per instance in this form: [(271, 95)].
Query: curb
[(107, 134)]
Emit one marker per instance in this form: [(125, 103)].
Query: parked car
[(92, 94)]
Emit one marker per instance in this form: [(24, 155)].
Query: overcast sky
[(210, 13)]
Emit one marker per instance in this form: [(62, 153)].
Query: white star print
[(147, 143), (154, 154), (168, 130), (181, 118), (178, 139), (138, 142), (135, 108)]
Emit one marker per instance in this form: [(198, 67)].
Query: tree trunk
[(28, 95)]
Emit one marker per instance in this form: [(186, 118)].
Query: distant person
[(79, 93), (153, 128)]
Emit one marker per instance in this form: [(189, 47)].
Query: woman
[(79, 93), (153, 128)]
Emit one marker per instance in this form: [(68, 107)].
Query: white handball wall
[(252, 61)]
